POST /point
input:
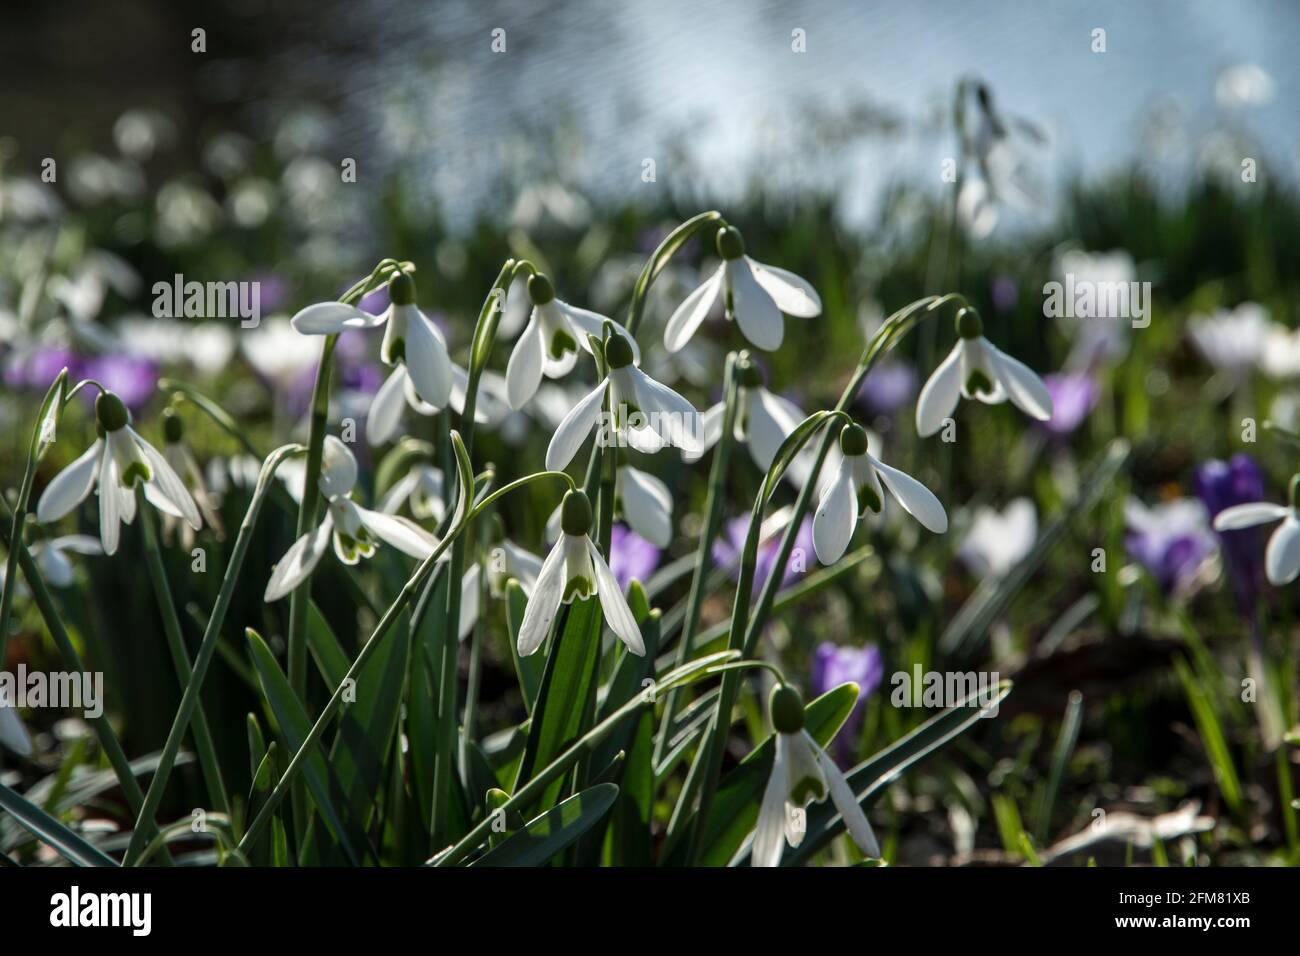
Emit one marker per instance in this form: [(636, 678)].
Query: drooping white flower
[(422, 488), (753, 294), (398, 392), (801, 773), (763, 422), (548, 345), (647, 414), (13, 735), (354, 530), (1282, 556), (976, 369), (51, 556), (504, 562), (997, 540), (183, 462), (1003, 150), (115, 463), (574, 568), (411, 339), (1232, 340), (855, 487), (646, 504)]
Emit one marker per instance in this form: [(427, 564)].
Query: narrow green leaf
[(555, 830), (69, 845)]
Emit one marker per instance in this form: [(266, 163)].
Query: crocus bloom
[(116, 462), (754, 294), (1282, 557), (1073, 396), (1222, 485), (833, 665), (855, 488), (646, 504), (1171, 539), (549, 342), (1232, 341), (728, 548), (132, 378), (648, 414), (631, 556), (412, 344), (976, 369), (355, 530), (997, 541), (801, 773), (889, 387), (763, 422), (52, 556), (576, 569)]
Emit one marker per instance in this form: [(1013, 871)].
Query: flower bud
[(786, 707), (748, 374), (853, 440), (110, 412), (575, 513), (618, 353), (401, 289), (969, 324), (540, 289), (730, 244), (173, 427)]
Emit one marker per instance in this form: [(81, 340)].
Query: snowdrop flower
[(575, 569), (1282, 556), (1232, 341), (549, 343), (997, 541), (182, 460), (976, 369), (856, 487), (13, 735), (116, 462), (1279, 355), (763, 421), (646, 504), (801, 773), (1002, 152), (356, 531), (647, 414), (422, 487), (51, 556), (754, 295), (413, 345), (504, 562), (385, 412)]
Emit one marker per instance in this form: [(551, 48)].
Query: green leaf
[(553, 831), (735, 807), (531, 668), (69, 845)]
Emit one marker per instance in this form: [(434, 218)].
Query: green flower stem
[(446, 770), (146, 813), (661, 257), (528, 793), (42, 435), (180, 657), (704, 551), (108, 739), (403, 600)]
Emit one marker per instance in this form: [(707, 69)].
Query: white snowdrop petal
[(836, 517), (688, 316), (672, 417), (574, 429), (771, 419), (769, 831), (338, 469), (469, 595), (169, 483), (792, 294), (299, 561), (77, 544), (1282, 556), (1026, 390), (587, 323), (617, 614), (524, 370), (916, 499), (330, 318), (110, 504), (1248, 515), (977, 356), (855, 820), (757, 315), (386, 408), (402, 533), (939, 397), (70, 487), (427, 362), (647, 505), (54, 565), (543, 603), (711, 422)]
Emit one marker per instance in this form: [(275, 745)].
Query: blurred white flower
[(997, 541), (1003, 149), (646, 504), (1096, 338), (206, 346), (51, 556), (1231, 340), (1243, 84), (277, 352)]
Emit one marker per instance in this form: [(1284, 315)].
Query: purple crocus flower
[(133, 378), (833, 665), (38, 368), (889, 387), (1073, 396), (1004, 293), (1171, 540), (631, 556), (728, 547), (1220, 485)]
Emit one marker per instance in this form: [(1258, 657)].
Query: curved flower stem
[(42, 435), (108, 739), (145, 814), (704, 551), (446, 770), (660, 258), (180, 657), (403, 600)]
